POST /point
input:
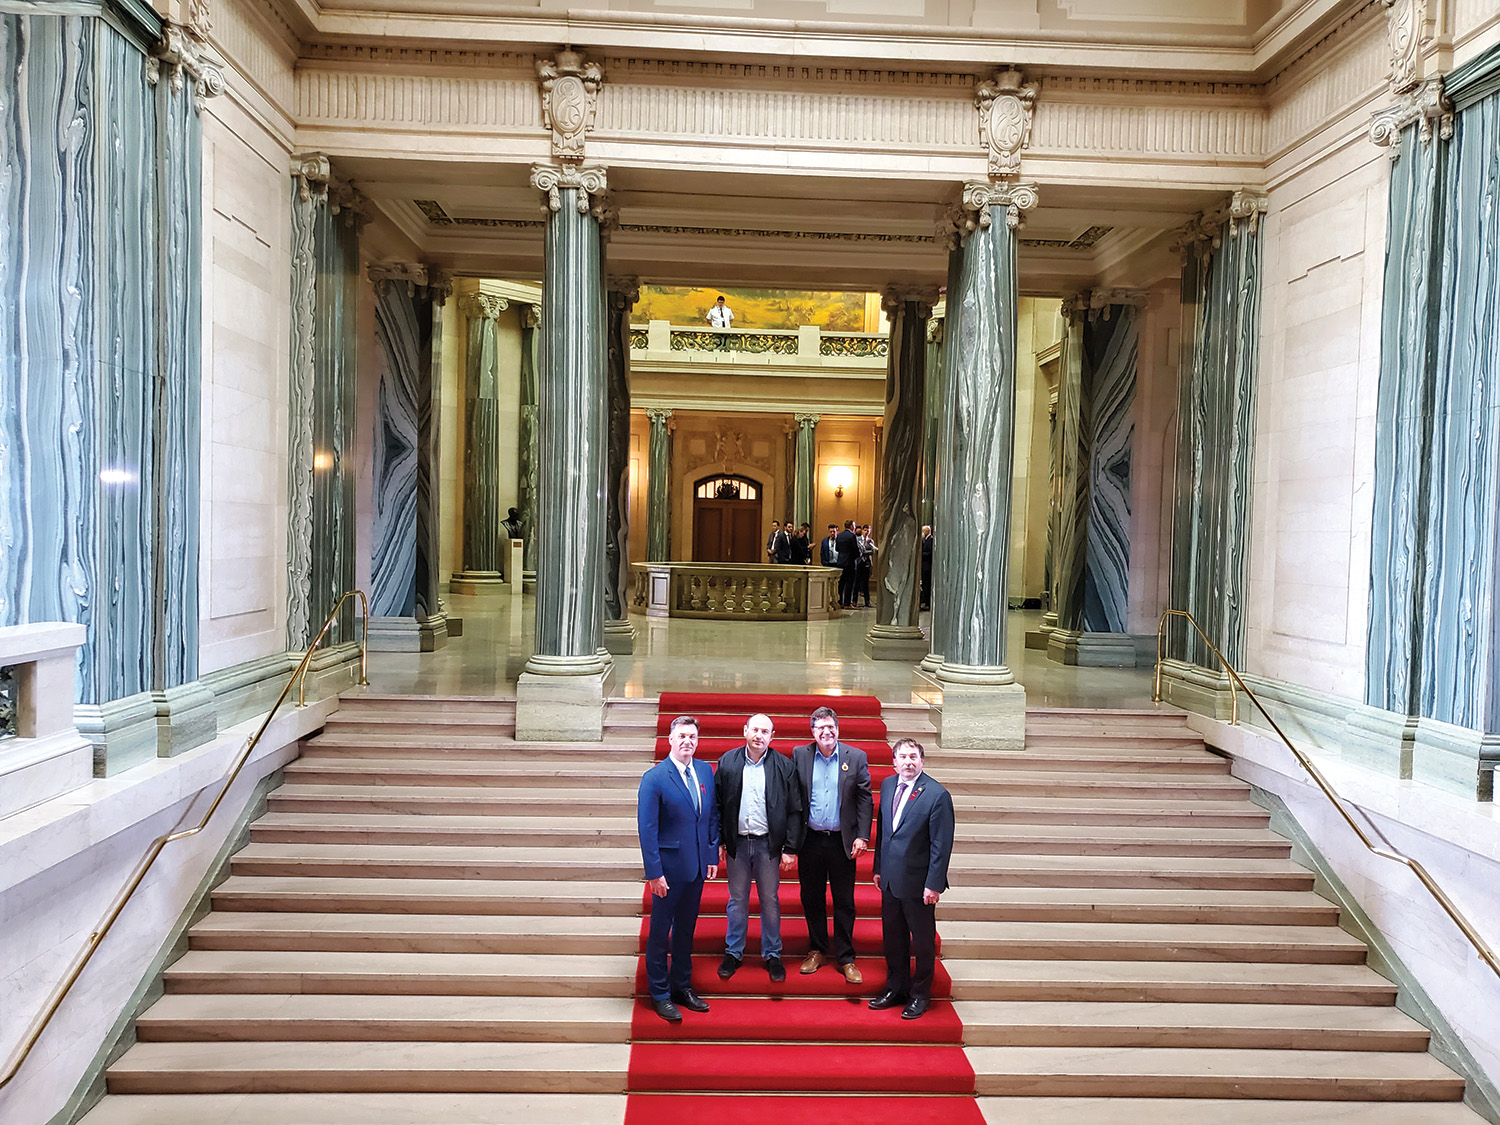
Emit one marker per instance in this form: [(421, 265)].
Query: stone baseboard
[(896, 642), (619, 638), (1091, 650), (186, 716), (478, 584), (408, 634)]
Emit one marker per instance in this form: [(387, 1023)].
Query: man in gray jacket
[(761, 820)]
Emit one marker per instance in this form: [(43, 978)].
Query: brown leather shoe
[(813, 962), (851, 973)]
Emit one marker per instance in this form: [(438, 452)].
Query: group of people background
[(762, 813), (852, 551)]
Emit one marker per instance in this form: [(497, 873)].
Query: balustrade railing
[(809, 342)]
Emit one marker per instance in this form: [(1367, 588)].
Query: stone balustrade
[(806, 345), (735, 591)]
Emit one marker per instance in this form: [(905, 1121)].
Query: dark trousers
[(846, 586), (821, 866), (674, 917), (926, 585), (908, 928), (862, 582)]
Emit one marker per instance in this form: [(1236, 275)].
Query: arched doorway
[(726, 520)]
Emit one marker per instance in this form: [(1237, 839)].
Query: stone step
[(1189, 982), (416, 800), (1212, 1072), (1150, 941), (430, 896), (422, 704), (1205, 787), (499, 772), (434, 974), (1212, 1111), (622, 898), (443, 862), (1151, 812), (1065, 759), (1061, 839), (448, 749), (225, 1017), (358, 1109), (349, 720), (1241, 1026), (405, 1067)]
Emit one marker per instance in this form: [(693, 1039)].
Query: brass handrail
[(39, 1025), (1385, 849)]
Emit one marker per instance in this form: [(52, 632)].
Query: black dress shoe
[(729, 966), (691, 1001), (775, 969), (915, 1009), (890, 998), (667, 1011)]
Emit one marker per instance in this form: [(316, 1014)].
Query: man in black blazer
[(828, 551), (834, 781), (760, 829), (847, 545), (912, 850)]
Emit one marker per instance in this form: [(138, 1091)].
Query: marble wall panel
[(403, 327), (1109, 346)]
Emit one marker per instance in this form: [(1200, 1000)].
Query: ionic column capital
[(482, 306), (806, 421), (590, 181), (533, 317), (894, 296), (624, 291), (979, 197), (659, 415), (413, 275)]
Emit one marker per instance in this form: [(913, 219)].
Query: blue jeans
[(754, 859)]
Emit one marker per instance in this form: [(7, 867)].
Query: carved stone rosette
[(978, 198), (570, 95), (1006, 105), (591, 182)]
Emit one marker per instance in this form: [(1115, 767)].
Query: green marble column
[(983, 706), (659, 487), (561, 692), (619, 638), (485, 540), (531, 322), (932, 410), (805, 469), (940, 384), (896, 634)]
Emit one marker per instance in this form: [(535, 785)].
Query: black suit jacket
[(915, 856), (848, 548), (785, 809), (781, 550), (856, 805), (830, 551)]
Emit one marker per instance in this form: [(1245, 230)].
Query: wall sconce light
[(841, 477)]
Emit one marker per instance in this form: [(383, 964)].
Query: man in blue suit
[(912, 849), (678, 821)]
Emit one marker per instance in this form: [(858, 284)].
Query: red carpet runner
[(808, 1050)]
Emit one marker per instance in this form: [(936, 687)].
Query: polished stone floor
[(689, 655)]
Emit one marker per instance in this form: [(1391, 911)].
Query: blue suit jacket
[(676, 841)]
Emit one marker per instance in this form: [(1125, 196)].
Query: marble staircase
[(434, 923)]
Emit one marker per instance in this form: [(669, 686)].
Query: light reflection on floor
[(688, 655)]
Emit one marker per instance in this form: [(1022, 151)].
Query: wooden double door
[(728, 531)]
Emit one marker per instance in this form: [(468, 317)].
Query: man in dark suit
[(678, 822), (760, 825), (781, 545), (926, 602), (847, 545), (771, 541), (828, 551), (912, 850), (834, 780)]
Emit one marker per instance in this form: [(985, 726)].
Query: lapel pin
[(846, 767)]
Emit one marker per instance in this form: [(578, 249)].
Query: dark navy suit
[(912, 858), (681, 844)]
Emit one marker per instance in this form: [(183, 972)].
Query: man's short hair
[(913, 743), (721, 297), (833, 527), (848, 524), (824, 713), (682, 721)]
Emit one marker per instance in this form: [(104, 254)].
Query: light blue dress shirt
[(824, 813)]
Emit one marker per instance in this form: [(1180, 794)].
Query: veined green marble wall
[(100, 360)]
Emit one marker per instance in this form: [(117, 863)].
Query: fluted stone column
[(531, 322), (983, 706), (932, 411), (560, 694), (659, 487), (940, 386), (619, 637), (896, 635), (484, 538), (806, 468)]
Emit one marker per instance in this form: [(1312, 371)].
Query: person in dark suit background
[(926, 602), (834, 780), (828, 550), (912, 851), (760, 826), (865, 543), (847, 545), (802, 545), (677, 818), (771, 541), (781, 544)]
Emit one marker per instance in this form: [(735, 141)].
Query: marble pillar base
[(619, 638), (123, 732), (983, 708), (478, 583), (1198, 689), (930, 663), (896, 642), (1091, 650), (1038, 637), (557, 705), (1456, 759), (408, 634), (186, 717), (245, 690)]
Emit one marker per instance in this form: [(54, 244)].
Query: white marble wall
[(1158, 359), (1319, 368), (455, 332), (243, 569), (1038, 327), (61, 864)]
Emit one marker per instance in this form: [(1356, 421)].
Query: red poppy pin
[(912, 796)]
